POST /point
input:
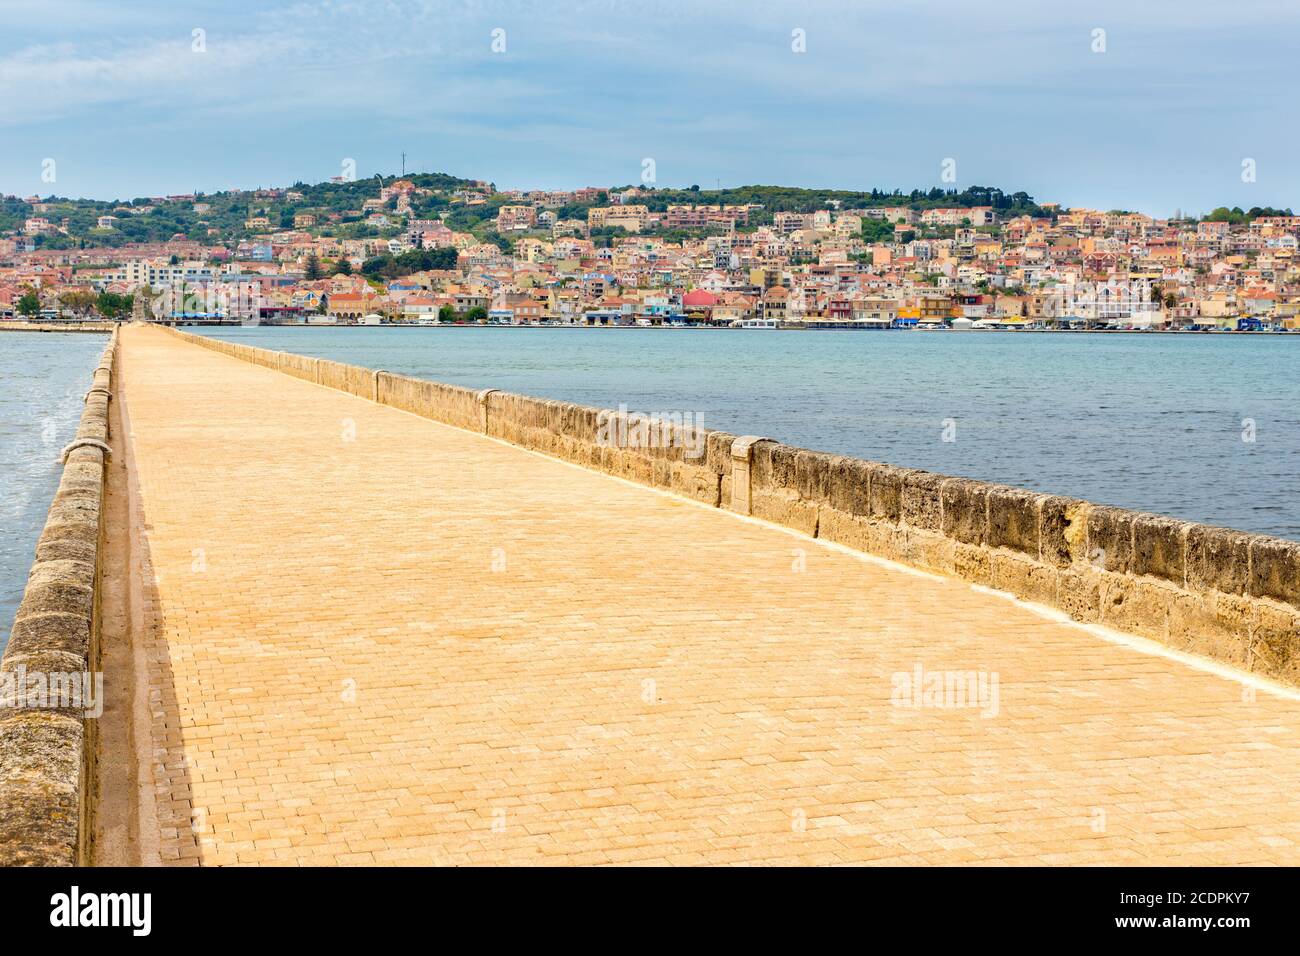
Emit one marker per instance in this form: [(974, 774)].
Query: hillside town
[(443, 251)]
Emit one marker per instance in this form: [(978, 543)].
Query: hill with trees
[(337, 209)]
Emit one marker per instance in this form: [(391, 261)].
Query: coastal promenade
[(369, 637)]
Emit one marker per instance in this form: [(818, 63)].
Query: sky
[(1169, 107)]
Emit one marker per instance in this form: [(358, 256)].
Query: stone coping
[(1213, 591), (57, 326), (47, 741)]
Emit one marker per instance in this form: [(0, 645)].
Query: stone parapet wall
[(48, 753), (57, 326), (1213, 591), (694, 463), (446, 403), (1224, 594)]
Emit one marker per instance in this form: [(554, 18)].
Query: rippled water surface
[(43, 376), (1153, 422)]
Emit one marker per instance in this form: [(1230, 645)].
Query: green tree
[(113, 306), (313, 268), (476, 314), (416, 260), (29, 304), (876, 230), (498, 240), (80, 301), (446, 314), (343, 267)]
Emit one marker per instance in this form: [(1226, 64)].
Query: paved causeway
[(372, 638)]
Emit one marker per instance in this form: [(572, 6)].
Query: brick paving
[(374, 638)]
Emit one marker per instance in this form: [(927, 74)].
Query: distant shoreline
[(106, 327), (718, 328)]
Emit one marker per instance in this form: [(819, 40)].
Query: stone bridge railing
[(1220, 593), (47, 731)]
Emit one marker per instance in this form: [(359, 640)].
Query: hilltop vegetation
[(222, 217), (1237, 217), (775, 199), (337, 210), (146, 219)]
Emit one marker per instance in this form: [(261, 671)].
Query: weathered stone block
[(694, 481), (1198, 625), (1275, 649), (1158, 547), (61, 596), (1063, 530), (555, 416), (920, 499), (760, 463), (82, 479), (895, 542), (1023, 577), (1014, 519), (885, 493), (852, 531), (965, 510), (1133, 604), (1275, 570), (784, 508), (70, 526), (930, 550), (604, 458), (812, 471), (583, 424), (1217, 559), (661, 473), (972, 563), (1078, 592), (860, 533), (40, 787), (638, 467), (50, 631), (717, 455), (70, 548), (780, 471), (73, 519), (848, 486), (1110, 538)]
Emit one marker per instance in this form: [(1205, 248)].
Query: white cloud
[(883, 90)]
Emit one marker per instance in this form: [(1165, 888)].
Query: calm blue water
[(43, 377), (1152, 422)]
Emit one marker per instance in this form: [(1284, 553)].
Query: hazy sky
[(118, 96)]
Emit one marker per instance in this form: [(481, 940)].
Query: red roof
[(699, 297)]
